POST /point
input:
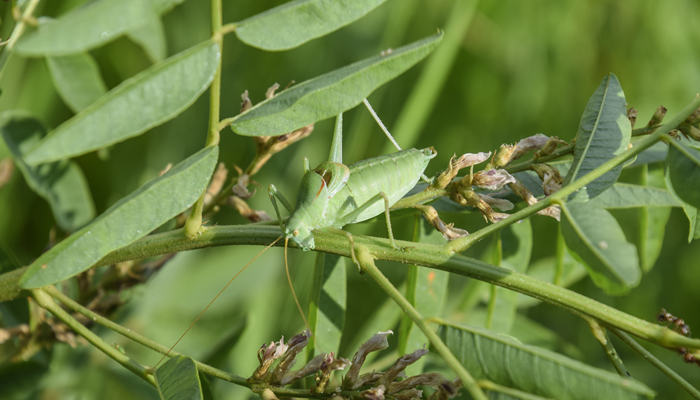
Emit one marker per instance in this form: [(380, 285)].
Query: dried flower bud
[(246, 104), (428, 379), (632, 116), (492, 179), (295, 345), (376, 393), (465, 160), (693, 118), (246, 212), (658, 116), (534, 142), (501, 204), (401, 364), (7, 167), (268, 394), (375, 343), (267, 354), (270, 93), (551, 183), (448, 231), (522, 192), (410, 394), (690, 131), (504, 155)]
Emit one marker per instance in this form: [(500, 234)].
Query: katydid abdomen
[(357, 199)]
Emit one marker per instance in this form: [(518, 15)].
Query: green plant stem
[(425, 92), (17, 31), (334, 241), (657, 363), (602, 337), (44, 299), (138, 338), (193, 224), (525, 165), (461, 244), (367, 264)]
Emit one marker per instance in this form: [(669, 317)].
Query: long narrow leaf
[(151, 37), (603, 133), (329, 94), (296, 22), (506, 361), (148, 99), (178, 379), (131, 218), (86, 27), (77, 79), (596, 239), (62, 184)]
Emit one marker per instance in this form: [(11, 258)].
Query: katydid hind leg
[(348, 218)]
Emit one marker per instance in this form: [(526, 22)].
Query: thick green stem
[(658, 363), (336, 242), (464, 243), (193, 225), (367, 263), (44, 299)]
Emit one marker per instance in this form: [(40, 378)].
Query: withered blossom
[(456, 164), (377, 342), (496, 202), (492, 179)]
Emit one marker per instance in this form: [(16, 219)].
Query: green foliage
[(97, 73)]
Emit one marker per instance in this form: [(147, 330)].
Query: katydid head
[(313, 198)]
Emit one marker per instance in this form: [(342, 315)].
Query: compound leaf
[(684, 172), (178, 379), (626, 195)]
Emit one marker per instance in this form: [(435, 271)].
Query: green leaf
[(684, 172), (163, 6), (329, 94), (691, 213), (77, 79), (626, 195), (132, 218), (297, 22), (148, 99), (84, 28), (652, 221), (603, 133), (178, 379), (508, 362), (62, 184), (596, 240), (328, 304), (426, 290), (151, 37)]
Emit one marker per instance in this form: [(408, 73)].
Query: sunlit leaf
[(508, 362), (131, 218), (596, 239), (77, 79), (625, 195), (83, 28), (328, 303), (684, 172), (296, 22), (148, 99), (62, 184), (329, 94), (178, 379), (604, 132)]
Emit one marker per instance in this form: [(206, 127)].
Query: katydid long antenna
[(216, 297), (386, 131)]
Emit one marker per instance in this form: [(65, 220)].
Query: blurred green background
[(521, 68)]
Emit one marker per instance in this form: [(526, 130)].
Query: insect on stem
[(218, 294)]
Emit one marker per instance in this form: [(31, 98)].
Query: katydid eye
[(295, 232)]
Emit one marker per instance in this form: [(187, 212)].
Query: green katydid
[(334, 195)]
